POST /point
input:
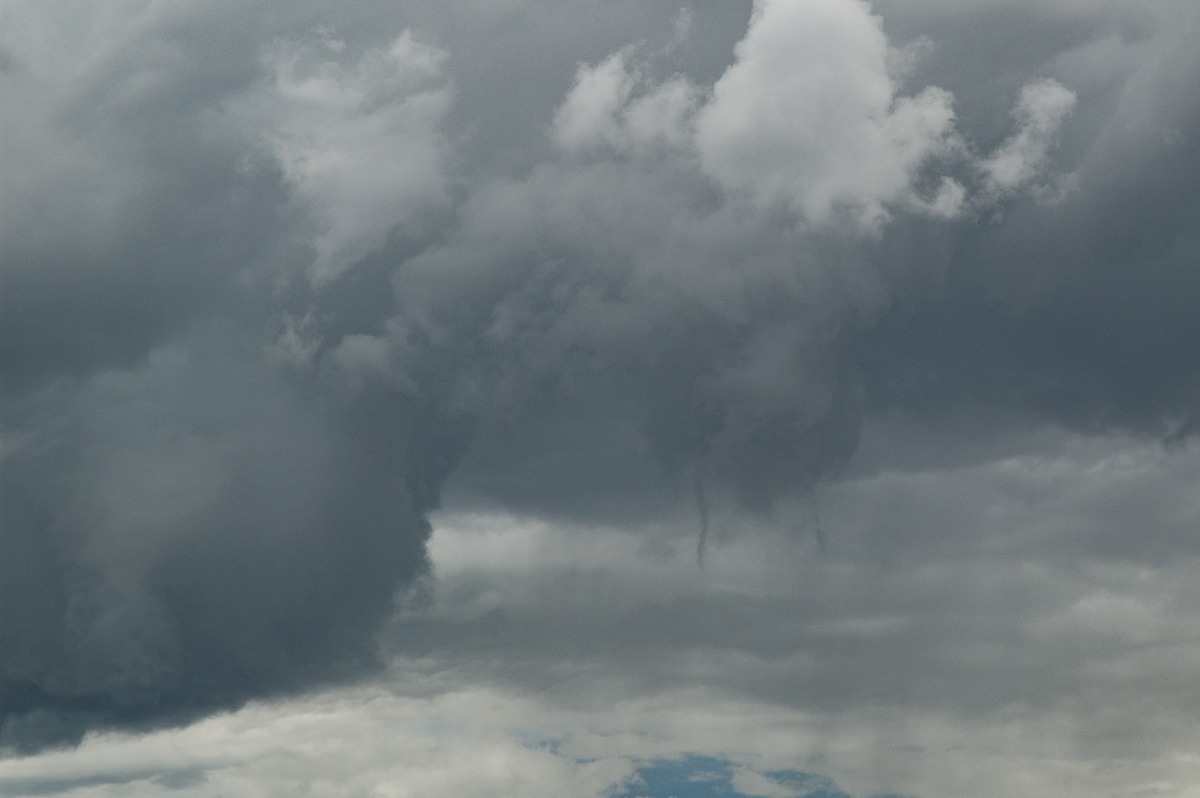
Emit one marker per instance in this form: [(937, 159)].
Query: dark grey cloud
[(274, 274), (184, 525), (196, 534), (1081, 312)]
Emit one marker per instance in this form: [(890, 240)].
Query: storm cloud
[(277, 274)]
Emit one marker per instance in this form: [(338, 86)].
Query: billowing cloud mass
[(282, 279), (808, 115)]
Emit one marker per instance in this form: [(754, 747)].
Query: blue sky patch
[(696, 776)]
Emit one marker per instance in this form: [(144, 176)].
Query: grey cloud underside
[(1085, 311), (219, 457), (215, 547)]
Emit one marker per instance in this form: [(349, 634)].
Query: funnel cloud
[(279, 278)]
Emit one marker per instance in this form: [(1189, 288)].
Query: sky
[(787, 399)]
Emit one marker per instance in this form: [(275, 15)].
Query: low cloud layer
[(276, 275), (969, 630)]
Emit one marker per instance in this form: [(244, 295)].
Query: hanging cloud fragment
[(1040, 111)]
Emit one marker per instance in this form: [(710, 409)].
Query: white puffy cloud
[(362, 146), (588, 117), (605, 109), (809, 116), (1021, 159)]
